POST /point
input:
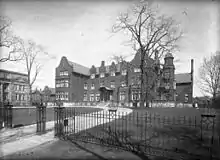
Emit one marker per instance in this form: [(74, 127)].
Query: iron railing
[(151, 134)]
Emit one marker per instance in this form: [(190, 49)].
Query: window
[(57, 84), (123, 84), (62, 83), (91, 97), (112, 73), (64, 73), (66, 83), (97, 96), (93, 86), (102, 83), (124, 72), (85, 97), (22, 97), (166, 75), (167, 85), (17, 88), (102, 75), (92, 76), (17, 97), (57, 96), (85, 86), (137, 70), (174, 85), (122, 96), (186, 97), (112, 84), (136, 95), (66, 96), (62, 96)]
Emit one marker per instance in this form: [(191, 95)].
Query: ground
[(79, 150)]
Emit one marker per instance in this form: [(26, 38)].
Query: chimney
[(192, 70), (103, 63), (192, 63)]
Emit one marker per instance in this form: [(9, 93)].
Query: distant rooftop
[(79, 68)]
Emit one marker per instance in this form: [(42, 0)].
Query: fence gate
[(59, 124), (41, 119), (6, 115)]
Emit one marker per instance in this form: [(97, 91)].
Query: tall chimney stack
[(103, 63), (192, 70), (192, 66)]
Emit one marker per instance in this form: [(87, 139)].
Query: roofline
[(184, 82), (183, 73), (13, 72)]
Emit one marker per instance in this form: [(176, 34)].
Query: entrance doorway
[(105, 94)]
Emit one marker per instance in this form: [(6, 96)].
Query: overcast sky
[(79, 30)]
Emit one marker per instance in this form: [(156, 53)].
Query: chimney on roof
[(192, 70), (192, 66), (103, 63)]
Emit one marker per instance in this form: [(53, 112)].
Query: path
[(36, 140)]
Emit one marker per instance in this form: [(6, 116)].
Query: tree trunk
[(214, 96), (142, 80), (29, 95)]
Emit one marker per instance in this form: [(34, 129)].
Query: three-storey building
[(14, 87), (121, 82)]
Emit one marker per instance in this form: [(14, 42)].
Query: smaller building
[(13, 87), (47, 95), (36, 96)]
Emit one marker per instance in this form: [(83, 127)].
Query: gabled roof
[(79, 68), (36, 91), (183, 78), (13, 72)]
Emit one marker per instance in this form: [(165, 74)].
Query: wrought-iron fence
[(142, 132)]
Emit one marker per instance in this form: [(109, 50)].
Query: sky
[(80, 30)]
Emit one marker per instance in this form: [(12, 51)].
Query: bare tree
[(148, 32), (9, 41), (32, 52), (209, 75)]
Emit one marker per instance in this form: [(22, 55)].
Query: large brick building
[(13, 87), (120, 82)]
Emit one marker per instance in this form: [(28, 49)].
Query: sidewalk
[(20, 132), (24, 143)]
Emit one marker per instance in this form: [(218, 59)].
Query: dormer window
[(112, 73), (85, 86), (136, 70), (124, 72), (93, 86), (112, 84), (123, 84), (92, 76), (102, 75)]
